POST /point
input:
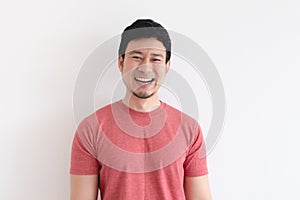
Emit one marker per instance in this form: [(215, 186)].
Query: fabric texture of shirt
[(139, 155)]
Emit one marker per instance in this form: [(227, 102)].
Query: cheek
[(128, 66), (161, 71)]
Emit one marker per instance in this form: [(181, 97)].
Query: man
[(140, 147)]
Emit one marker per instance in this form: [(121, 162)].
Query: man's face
[(144, 66)]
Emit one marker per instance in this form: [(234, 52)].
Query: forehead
[(146, 44)]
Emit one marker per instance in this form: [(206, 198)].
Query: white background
[(254, 44)]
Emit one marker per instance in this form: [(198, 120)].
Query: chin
[(143, 95)]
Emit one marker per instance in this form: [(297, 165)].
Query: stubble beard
[(143, 96)]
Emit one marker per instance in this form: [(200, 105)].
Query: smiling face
[(144, 67)]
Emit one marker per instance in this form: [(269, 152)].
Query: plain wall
[(254, 44)]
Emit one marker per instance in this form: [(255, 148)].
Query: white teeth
[(143, 79)]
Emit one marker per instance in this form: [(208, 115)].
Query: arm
[(84, 187), (197, 188)]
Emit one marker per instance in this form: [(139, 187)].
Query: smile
[(144, 80)]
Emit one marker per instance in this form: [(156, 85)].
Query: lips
[(144, 80)]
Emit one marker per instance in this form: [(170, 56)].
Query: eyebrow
[(135, 52), (139, 52), (157, 55)]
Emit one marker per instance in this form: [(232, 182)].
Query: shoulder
[(94, 117), (185, 119), (91, 124)]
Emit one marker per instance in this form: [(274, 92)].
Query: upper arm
[(197, 188), (84, 187)]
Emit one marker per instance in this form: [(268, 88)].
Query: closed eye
[(137, 57), (156, 60)]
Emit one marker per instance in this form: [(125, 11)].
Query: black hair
[(145, 28)]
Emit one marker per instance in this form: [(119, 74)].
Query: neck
[(142, 105)]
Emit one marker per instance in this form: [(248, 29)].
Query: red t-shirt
[(139, 155)]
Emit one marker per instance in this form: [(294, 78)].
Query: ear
[(168, 66), (120, 63)]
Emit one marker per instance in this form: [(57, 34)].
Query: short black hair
[(145, 28)]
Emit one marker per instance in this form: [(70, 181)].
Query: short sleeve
[(83, 159), (195, 162)]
